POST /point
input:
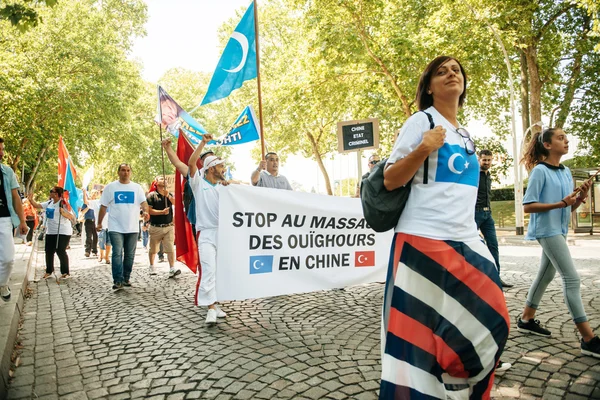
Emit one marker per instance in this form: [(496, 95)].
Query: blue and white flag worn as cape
[(238, 61)]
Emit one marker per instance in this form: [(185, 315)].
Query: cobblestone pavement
[(81, 341)]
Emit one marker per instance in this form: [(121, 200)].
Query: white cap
[(211, 161)]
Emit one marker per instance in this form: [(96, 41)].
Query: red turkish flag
[(364, 259)]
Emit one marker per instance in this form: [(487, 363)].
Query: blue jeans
[(124, 245), (485, 223), (145, 238)]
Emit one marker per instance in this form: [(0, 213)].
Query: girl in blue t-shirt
[(550, 199)]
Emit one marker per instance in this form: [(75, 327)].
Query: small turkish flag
[(364, 259)]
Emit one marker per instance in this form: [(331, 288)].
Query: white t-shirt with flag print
[(123, 200), (444, 207), (54, 218)]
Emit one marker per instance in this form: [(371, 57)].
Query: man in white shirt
[(124, 198), (267, 174), (205, 184)]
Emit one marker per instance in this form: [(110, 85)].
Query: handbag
[(382, 208)]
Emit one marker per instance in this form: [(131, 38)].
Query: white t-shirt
[(206, 196), (52, 219), (123, 200), (444, 207), (95, 205)]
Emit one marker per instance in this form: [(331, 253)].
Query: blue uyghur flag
[(75, 200), (238, 61), (124, 197)]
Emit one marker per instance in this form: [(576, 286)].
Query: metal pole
[(260, 110), (519, 217)]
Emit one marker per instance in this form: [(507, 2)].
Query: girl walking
[(550, 200)]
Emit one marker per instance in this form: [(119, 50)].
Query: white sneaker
[(173, 272), (211, 316), (152, 270), (5, 293), (503, 366), (220, 313)]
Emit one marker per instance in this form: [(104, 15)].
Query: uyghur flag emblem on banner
[(66, 178), (238, 61)]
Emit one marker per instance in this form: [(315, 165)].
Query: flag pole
[(162, 156), (260, 110)]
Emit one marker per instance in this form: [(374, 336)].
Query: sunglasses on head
[(469, 144)]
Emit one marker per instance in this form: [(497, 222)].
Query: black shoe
[(117, 287), (591, 348), (127, 284), (161, 259), (533, 326), (506, 285)]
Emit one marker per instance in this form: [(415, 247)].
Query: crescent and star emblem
[(360, 261), (243, 41), (451, 164), (119, 197), (254, 264)]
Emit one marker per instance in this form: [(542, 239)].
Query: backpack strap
[(426, 163)]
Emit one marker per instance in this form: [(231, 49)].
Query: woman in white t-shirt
[(445, 321), (59, 228)]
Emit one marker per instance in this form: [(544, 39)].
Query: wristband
[(566, 205)]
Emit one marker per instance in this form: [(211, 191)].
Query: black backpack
[(382, 208)]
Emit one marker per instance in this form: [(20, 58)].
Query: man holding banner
[(206, 184), (267, 174)]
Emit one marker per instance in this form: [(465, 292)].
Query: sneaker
[(46, 275), (505, 285), (161, 259), (533, 327), (152, 270), (127, 283), (220, 313), (117, 286), (65, 276), (211, 317), (591, 348), (174, 272), (5, 293), (87, 253), (503, 366)]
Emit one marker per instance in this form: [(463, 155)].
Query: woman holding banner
[(445, 321)]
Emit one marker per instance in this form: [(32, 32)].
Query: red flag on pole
[(186, 248)]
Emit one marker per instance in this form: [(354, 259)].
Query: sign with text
[(358, 135), (170, 180), (274, 242)]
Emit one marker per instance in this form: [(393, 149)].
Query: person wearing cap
[(188, 197), (267, 174), (206, 184)]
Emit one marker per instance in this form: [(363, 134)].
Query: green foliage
[(23, 15), (502, 161)]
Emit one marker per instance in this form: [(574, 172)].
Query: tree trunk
[(565, 105), (15, 163), (317, 155), (535, 86), (525, 121), (40, 158)]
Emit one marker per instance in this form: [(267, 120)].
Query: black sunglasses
[(373, 162), (469, 144), (52, 191)]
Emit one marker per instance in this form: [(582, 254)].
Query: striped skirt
[(445, 321)]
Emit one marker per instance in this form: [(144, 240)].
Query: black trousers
[(60, 250), (30, 225), (91, 236)]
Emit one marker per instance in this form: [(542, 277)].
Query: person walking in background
[(11, 216), (550, 200), (31, 218), (59, 219), (445, 321), (124, 199), (89, 219), (103, 237), (483, 210), (373, 161)]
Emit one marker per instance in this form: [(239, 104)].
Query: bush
[(504, 194)]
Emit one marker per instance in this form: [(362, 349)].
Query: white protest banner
[(273, 242)]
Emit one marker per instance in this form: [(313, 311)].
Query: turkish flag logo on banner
[(364, 259)]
